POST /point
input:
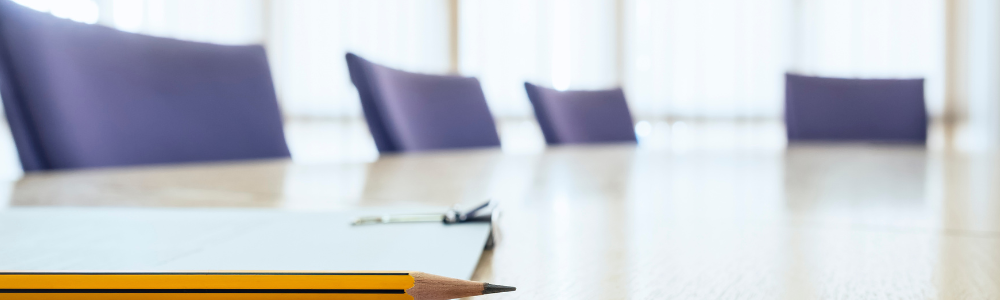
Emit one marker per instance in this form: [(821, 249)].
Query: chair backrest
[(577, 117), (837, 109), (419, 112), (79, 95), (360, 69)]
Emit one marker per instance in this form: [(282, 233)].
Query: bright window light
[(39, 5), (84, 11), (561, 45), (643, 128), (128, 14)]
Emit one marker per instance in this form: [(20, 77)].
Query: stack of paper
[(61, 239)]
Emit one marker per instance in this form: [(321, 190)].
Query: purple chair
[(418, 112), (581, 117), (80, 96), (835, 109)]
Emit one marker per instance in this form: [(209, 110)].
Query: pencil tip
[(489, 288)]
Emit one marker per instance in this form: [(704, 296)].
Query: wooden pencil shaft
[(34, 296), (207, 280), (233, 285)]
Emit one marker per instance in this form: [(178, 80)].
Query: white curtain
[(706, 58), (84, 11), (982, 59), (216, 21), (697, 58), (559, 43), (307, 41)]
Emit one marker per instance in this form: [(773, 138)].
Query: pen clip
[(408, 218), (453, 216), (478, 213)]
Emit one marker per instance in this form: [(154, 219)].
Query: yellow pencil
[(237, 285)]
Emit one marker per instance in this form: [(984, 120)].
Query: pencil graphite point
[(434, 287), (489, 288)]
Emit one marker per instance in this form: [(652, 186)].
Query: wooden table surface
[(620, 222)]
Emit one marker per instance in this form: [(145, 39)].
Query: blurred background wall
[(677, 59)]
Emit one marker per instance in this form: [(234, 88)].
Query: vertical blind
[(307, 41), (566, 44), (706, 58), (709, 58), (216, 21), (675, 58)]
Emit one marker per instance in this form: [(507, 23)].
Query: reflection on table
[(617, 222)]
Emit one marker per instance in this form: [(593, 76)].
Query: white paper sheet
[(231, 239)]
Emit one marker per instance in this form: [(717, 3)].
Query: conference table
[(816, 221)]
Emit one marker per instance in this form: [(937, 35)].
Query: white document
[(85, 239)]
